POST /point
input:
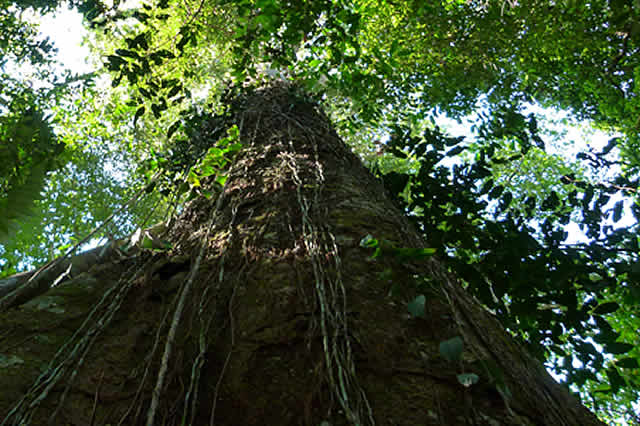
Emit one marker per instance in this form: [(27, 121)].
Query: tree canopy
[(495, 205)]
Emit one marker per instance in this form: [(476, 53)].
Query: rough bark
[(268, 311)]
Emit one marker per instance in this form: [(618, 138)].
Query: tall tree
[(494, 207), (264, 305)]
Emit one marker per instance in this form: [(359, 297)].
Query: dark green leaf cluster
[(556, 296), (19, 39), (29, 150), (139, 61), (293, 21), (206, 141), (137, 66)]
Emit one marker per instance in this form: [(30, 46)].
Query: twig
[(171, 337), (95, 399), (226, 361)]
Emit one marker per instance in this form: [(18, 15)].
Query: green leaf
[(157, 59), (417, 307), (617, 210), (172, 129), (615, 380), (455, 151), (156, 109), (221, 179), (127, 53), (144, 92), (150, 242), (507, 197), (114, 62), (234, 147), (451, 349), (551, 202), (138, 114), (164, 53), (405, 254), (117, 80), (396, 182), (206, 171), (618, 348), (174, 91), (369, 242), (606, 308), (182, 43), (140, 16), (468, 379), (627, 363), (558, 350), (496, 191), (147, 243), (141, 40)]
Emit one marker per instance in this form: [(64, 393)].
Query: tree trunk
[(267, 310)]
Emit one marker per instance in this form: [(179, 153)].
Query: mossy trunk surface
[(268, 311)]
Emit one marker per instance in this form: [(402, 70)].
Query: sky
[(65, 29)]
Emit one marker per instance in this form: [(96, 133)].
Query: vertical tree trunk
[(267, 310)]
